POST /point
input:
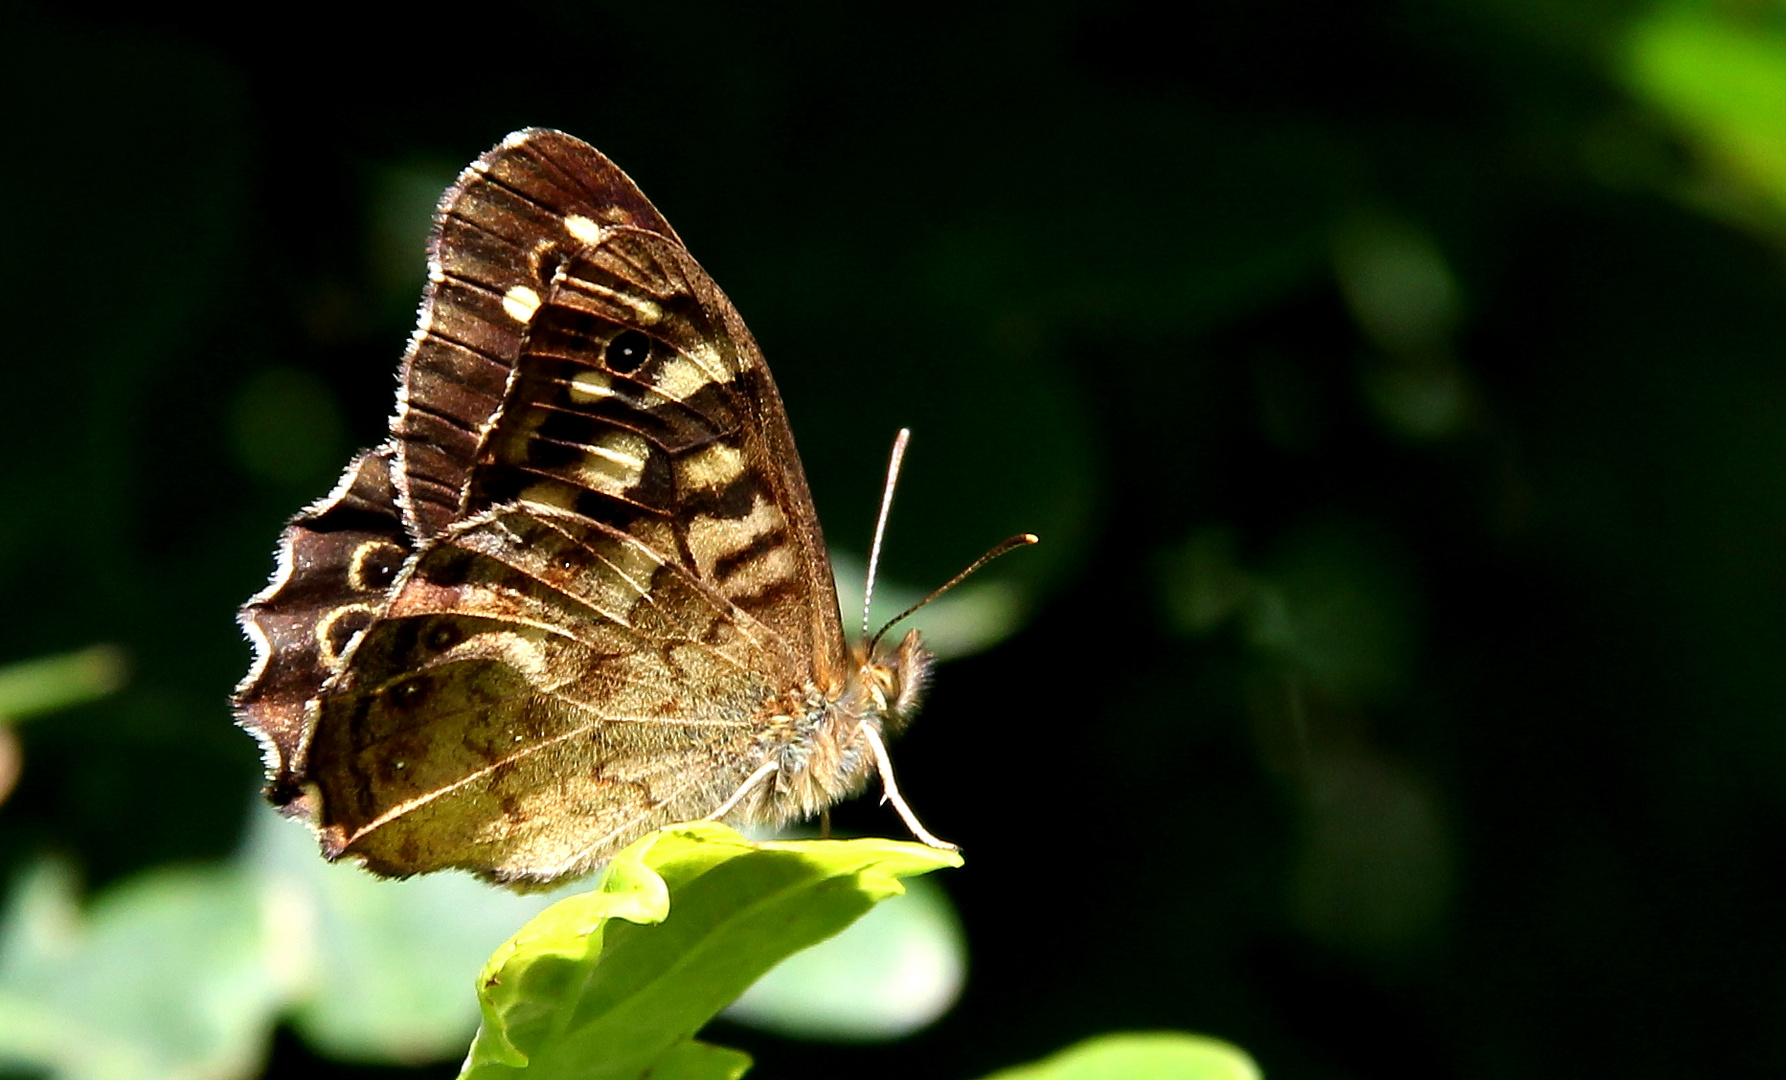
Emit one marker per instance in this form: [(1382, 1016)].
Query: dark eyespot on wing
[(627, 352)]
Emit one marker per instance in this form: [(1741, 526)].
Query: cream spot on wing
[(638, 310), (646, 311), (715, 538), (582, 229), (522, 648), (712, 468), (521, 302), (711, 362), (617, 461), (626, 461), (679, 378), (553, 493), (776, 564), (632, 561), (642, 311), (590, 385)]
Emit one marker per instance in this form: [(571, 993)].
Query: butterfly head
[(894, 679)]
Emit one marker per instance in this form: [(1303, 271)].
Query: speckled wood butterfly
[(581, 592)]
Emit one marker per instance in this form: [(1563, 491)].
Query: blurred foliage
[(183, 970), (1397, 389), (164, 976), (1140, 1057), (1719, 72), (30, 687)]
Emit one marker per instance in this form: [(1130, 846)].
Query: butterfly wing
[(504, 225), (336, 563), (621, 594), (641, 401), (500, 233), (542, 689), (544, 254)]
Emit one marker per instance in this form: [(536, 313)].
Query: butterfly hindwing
[(529, 644), (337, 560)]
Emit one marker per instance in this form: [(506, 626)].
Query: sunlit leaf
[(607, 983)]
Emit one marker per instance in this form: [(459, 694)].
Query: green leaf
[(896, 970), (1141, 1056), (694, 1060), (614, 983)]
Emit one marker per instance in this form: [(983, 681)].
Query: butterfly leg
[(890, 791), (750, 782)]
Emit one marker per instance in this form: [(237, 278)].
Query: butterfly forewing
[(501, 232), (639, 400)]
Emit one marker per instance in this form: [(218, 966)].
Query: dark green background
[(1382, 740)]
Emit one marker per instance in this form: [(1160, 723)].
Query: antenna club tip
[(1030, 538)]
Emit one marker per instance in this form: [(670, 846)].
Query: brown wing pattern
[(500, 233), (641, 401), (541, 688), (518, 379), (616, 600), (337, 560)]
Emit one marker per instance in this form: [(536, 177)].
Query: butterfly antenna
[(880, 525), (1015, 542)]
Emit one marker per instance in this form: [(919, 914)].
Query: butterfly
[(581, 591)]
